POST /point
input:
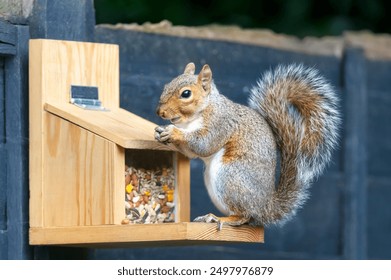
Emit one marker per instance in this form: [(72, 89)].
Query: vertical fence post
[(3, 169), (72, 20), (355, 155), (16, 101)]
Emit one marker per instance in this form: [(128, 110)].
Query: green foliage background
[(295, 17)]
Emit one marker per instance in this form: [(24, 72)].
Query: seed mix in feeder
[(149, 196)]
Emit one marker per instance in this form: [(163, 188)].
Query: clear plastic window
[(150, 182)]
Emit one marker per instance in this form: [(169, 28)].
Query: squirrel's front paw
[(163, 134), (169, 134)]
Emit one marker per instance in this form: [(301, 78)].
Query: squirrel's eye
[(186, 93)]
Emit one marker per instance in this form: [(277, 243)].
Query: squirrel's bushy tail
[(301, 108)]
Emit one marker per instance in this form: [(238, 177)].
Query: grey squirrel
[(292, 109)]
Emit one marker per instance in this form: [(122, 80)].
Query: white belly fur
[(212, 166), (192, 125)]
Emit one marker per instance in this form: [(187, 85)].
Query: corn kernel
[(129, 188)]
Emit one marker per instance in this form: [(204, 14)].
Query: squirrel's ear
[(189, 69), (205, 77)]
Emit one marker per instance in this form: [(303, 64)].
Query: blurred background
[(294, 17)]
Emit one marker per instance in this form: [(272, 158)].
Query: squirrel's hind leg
[(232, 220)]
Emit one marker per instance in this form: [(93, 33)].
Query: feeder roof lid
[(118, 125)]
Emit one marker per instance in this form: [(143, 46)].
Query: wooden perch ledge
[(140, 235)]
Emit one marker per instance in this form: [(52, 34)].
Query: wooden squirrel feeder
[(78, 156)]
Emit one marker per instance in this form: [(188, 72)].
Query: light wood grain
[(35, 134), (156, 234), (76, 155), (53, 67), (117, 125), (80, 176), (204, 231), (68, 165), (183, 188), (68, 63)]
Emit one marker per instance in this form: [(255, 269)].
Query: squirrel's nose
[(159, 112)]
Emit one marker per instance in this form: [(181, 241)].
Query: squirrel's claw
[(162, 134), (159, 129), (232, 220), (210, 218)]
